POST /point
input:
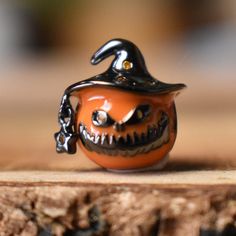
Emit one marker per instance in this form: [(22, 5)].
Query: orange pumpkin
[(125, 119)]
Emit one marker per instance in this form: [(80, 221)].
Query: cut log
[(200, 203)]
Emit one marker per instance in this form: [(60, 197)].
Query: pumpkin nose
[(119, 127)]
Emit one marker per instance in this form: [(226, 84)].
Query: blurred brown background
[(46, 46)]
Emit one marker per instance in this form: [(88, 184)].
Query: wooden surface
[(102, 203), (163, 178)]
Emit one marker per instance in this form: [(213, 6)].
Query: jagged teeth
[(97, 139), (111, 139), (131, 144), (92, 138), (81, 128), (106, 140), (84, 133), (103, 139)]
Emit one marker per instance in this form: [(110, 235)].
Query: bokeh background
[(46, 46)]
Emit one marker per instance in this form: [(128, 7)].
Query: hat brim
[(159, 88)]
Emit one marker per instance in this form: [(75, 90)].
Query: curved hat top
[(127, 70), (128, 59)]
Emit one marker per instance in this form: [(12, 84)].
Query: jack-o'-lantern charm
[(125, 119)]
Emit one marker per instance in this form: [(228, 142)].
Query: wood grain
[(160, 178), (101, 203)]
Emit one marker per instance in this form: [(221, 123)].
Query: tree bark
[(46, 203)]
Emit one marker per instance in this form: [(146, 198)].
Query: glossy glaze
[(126, 155), (125, 118)]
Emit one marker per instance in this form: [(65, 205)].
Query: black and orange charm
[(125, 119)]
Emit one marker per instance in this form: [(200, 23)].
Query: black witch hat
[(127, 72)]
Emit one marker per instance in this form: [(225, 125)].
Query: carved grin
[(156, 135)]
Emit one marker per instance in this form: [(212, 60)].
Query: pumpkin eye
[(139, 114), (101, 118)]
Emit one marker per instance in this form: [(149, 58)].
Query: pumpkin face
[(123, 130)]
